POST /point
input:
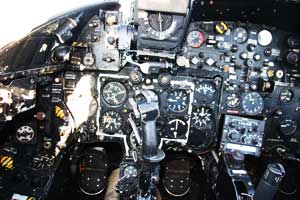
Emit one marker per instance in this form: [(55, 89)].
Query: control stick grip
[(150, 142), (269, 183)]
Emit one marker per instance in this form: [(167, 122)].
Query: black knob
[(268, 52), (60, 54), (292, 58), (251, 47), (234, 48), (293, 41), (244, 55)]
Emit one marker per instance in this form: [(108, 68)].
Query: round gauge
[(114, 93), (286, 96), (130, 171), (195, 39), (202, 117), (111, 121), (240, 35), (233, 100), (25, 134), (253, 103), (288, 126), (177, 128), (206, 91), (177, 100)]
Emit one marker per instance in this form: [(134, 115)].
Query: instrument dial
[(114, 93), (233, 100), (111, 121), (177, 128), (240, 35), (160, 21), (161, 26), (253, 103), (178, 100), (286, 96), (206, 91), (288, 126), (195, 39), (25, 134), (202, 117)]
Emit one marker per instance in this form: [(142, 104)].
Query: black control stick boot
[(269, 183)]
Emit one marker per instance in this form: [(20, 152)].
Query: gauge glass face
[(25, 134), (286, 96), (253, 103), (288, 126), (206, 91), (240, 35), (130, 171), (233, 100), (178, 100), (114, 93), (161, 26), (195, 39), (177, 128), (202, 117), (111, 121)]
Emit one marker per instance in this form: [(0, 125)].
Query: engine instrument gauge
[(240, 35), (288, 126), (253, 103), (233, 100), (202, 117), (177, 128), (114, 93), (111, 121), (195, 39), (286, 96), (206, 91), (178, 100)]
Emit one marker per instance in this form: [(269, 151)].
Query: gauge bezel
[(291, 92), (210, 124), (213, 85), (201, 36), (188, 100), (104, 99), (108, 130), (260, 108)]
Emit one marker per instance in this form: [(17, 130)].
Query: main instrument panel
[(221, 85)]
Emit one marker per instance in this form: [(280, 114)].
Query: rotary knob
[(233, 136)]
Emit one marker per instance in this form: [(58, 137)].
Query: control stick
[(146, 109), (269, 183)]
